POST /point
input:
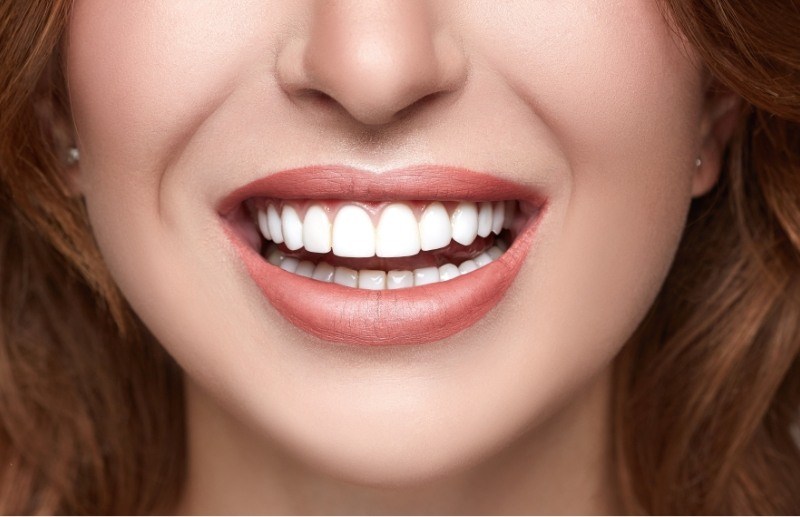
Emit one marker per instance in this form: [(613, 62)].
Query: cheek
[(623, 104), (145, 77)]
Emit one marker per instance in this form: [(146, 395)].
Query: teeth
[(371, 279), (482, 259), (398, 279), (316, 230), (290, 264), (495, 252), (435, 230), (465, 223), (398, 233), (345, 276), (498, 216), (447, 272), (305, 268), (324, 272), (292, 228), (353, 234), (426, 275), (263, 225), (274, 225), (275, 257), (468, 266), (484, 219)]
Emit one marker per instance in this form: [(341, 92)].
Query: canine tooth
[(465, 223), (345, 276), (426, 275), (323, 272), (498, 216), (274, 224), (468, 266), (397, 234), (305, 268), (263, 224), (316, 230), (482, 259), (371, 279), (435, 230), (495, 252), (290, 264), (396, 279), (292, 228), (275, 257), (484, 219), (353, 233), (448, 272)]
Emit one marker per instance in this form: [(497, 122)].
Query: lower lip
[(411, 316)]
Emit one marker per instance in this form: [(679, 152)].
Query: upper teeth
[(401, 231)]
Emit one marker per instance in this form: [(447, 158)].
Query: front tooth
[(448, 272), (263, 224), (353, 233), (398, 279), (316, 230), (498, 217), (292, 228), (274, 224), (371, 279), (465, 223), (398, 232), (435, 230), (323, 272), (484, 219), (426, 275), (345, 276)]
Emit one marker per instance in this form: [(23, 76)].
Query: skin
[(176, 104)]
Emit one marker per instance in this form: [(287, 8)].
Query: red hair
[(706, 392)]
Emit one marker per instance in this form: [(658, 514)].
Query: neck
[(562, 465)]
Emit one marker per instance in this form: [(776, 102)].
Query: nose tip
[(374, 59)]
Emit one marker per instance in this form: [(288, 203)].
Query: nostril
[(317, 99), (420, 104)]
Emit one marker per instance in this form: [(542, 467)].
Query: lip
[(410, 316)]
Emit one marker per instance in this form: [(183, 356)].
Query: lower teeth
[(377, 280)]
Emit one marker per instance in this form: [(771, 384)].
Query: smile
[(409, 256)]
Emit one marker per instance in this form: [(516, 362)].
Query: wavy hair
[(706, 392)]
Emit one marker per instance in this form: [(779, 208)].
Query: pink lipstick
[(403, 316)]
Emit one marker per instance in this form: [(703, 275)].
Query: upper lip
[(420, 182)]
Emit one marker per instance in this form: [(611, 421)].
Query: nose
[(375, 59)]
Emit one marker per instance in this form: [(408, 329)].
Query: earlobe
[(61, 136), (72, 171), (720, 117)]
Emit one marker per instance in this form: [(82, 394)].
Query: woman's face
[(586, 115)]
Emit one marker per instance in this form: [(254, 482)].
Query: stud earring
[(73, 155), (698, 162)]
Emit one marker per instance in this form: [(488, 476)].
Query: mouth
[(409, 256)]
